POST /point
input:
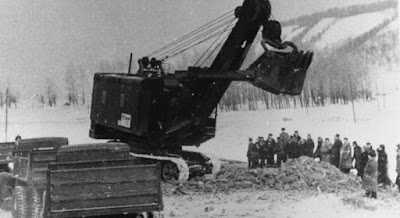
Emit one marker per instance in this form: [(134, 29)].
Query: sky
[(39, 39)]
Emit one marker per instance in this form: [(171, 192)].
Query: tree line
[(336, 76)]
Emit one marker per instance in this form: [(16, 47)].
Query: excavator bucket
[(281, 72)]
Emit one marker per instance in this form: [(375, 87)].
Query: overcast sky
[(40, 38)]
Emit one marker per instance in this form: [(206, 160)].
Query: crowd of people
[(272, 153)]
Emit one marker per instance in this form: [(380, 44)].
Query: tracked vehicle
[(157, 112)]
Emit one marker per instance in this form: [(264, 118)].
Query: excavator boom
[(158, 111)]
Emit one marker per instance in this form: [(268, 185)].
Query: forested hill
[(348, 43)]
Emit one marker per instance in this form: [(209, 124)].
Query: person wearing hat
[(262, 152), (346, 162), (257, 152), (383, 177), (364, 156), (296, 136), (279, 151), (398, 167), (370, 179), (251, 154), (269, 151), (357, 155), (317, 153), (284, 137), (326, 151), (309, 146), (291, 148), (335, 151)]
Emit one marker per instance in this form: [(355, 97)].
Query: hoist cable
[(219, 44), (185, 49), (207, 25), (212, 44), (194, 40)]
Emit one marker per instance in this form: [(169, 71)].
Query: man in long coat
[(251, 150), (279, 151), (309, 146), (370, 179), (262, 148), (317, 153), (335, 151), (291, 148), (284, 137), (346, 162), (326, 151), (270, 144), (382, 167), (364, 156), (357, 157)]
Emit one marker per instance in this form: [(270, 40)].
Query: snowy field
[(375, 125)]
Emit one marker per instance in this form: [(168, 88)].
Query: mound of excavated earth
[(296, 174)]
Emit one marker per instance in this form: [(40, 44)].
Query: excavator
[(157, 112)]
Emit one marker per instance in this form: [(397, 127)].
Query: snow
[(350, 27), (286, 30), (375, 125), (392, 26), (318, 28), (293, 34)]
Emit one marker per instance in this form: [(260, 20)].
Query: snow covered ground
[(353, 26), (375, 124), (318, 28), (378, 126)]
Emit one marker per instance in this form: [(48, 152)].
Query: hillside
[(351, 42)]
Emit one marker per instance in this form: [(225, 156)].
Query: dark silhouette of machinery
[(157, 113)]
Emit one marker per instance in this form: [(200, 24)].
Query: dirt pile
[(298, 174)]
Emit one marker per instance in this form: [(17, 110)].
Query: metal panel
[(76, 191)]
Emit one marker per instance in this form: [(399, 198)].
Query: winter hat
[(372, 153)]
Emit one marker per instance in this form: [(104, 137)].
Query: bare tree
[(51, 92), (71, 76)]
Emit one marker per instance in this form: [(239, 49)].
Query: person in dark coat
[(364, 157), (291, 149), (301, 148), (270, 150), (383, 177), (357, 157), (346, 161), (370, 179), (398, 167), (317, 153), (296, 136), (262, 152), (258, 152), (326, 151), (284, 137), (250, 153), (335, 151), (279, 151), (309, 146)]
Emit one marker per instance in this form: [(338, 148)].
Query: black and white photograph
[(199, 108)]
